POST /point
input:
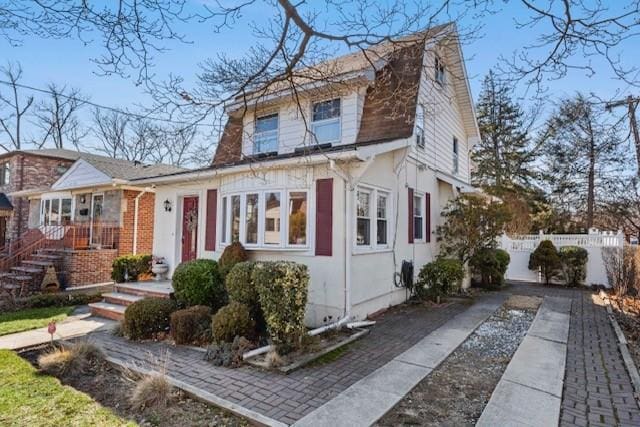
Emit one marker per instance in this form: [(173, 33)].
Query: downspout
[(136, 203)]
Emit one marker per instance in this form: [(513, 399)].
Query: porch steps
[(125, 294)]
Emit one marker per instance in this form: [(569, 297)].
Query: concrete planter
[(160, 270)]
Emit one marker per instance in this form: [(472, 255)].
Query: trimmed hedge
[(547, 258), (574, 264), (233, 320), (144, 318), (241, 288), (439, 278), (191, 325), (199, 282), (60, 300), (491, 265), (282, 288), (232, 255), (134, 265)]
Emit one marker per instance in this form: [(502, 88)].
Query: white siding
[(81, 174)]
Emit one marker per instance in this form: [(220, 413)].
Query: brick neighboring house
[(88, 216), (26, 170)]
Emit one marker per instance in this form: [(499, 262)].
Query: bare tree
[(16, 107), (176, 145), (57, 117), (110, 128)]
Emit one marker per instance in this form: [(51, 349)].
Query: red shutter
[(427, 213), (210, 227), (410, 195), (324, 217)]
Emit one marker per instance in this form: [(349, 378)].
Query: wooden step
[(121, 298), (47, 257), (28, 270), (108, 310), (37, 263)]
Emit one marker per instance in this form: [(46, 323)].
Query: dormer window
[(420, 139), (325, 121), (265, 138), (440, 74)]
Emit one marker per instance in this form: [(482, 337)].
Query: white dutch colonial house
[(350, 180)]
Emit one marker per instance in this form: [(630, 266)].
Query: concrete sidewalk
[(369, 399), (530, 390), (72, 327)]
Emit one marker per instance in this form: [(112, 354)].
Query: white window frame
[(456, 155), (325, 121), (419, 127), (373, 245), (225, 235), (421, 204), (59, 198), (255, 133), (440, 71)]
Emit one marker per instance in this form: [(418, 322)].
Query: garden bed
[(319, 346), (458, 390), (627, 312), (112, 387)]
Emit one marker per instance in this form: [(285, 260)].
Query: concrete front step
[(120, 298), (37, 263), (47, 257), (32, 271), (108, 310), (144, 289)]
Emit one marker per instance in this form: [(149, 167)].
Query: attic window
[(420, 140), (265, 139), (325, 121), (440, 75)]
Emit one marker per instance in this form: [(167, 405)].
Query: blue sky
[(69, 61)]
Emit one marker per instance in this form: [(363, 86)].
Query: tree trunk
[(591, 183)]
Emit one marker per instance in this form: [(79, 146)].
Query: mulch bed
[(112, 387), (627, 312), (458, 390)]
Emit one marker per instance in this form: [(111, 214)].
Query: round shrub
[(491, 265), (574, 264), (199, 282), (146, 317), (547, 258), (439, 278), (232, 320), (232, 254), (282, 287), (191, 325), (240, 288)]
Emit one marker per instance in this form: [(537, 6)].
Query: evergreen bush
[(574, 264), (232, 254), (547, 258), (191, 325), (491, 265), (144, 318), (199, 282), (439, 278), (233, 320), (132, 265)]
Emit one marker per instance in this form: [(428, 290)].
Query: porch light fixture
[(167, 205)]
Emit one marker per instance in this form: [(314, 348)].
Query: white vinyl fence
[(521, 246)]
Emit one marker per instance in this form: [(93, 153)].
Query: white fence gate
[(521, 246)]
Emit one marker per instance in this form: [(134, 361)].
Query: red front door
[(189, 228)]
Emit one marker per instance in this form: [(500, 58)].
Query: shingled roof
[(390, 101)]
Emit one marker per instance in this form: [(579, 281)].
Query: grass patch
[(28, 398), (32, 318), (332, 356)]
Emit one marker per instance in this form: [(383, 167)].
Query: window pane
[(235, 218), (417, 206), (326, 131), (252, 219), (326, 110), (55, 212), (382, 206), (66, 211), (297, 218), (362, 208), (363, 237), (272, 219), (382, 232), (224, 220), (417, 227), (266, 134)]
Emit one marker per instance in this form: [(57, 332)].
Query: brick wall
[(88, 267), (145, 222), (29, 172)]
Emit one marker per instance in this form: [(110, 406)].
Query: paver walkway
[(597, 389), (287, 398)]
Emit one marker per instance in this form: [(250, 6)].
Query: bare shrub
[(274, 360), (152, 391), (77, 359), (621, 268)]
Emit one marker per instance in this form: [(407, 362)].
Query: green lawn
[(28, 398), (31, 318)]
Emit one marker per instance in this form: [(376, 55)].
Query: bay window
[(55, 211), (257, 218), (372, 218), (265, 138), (325, 121)]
